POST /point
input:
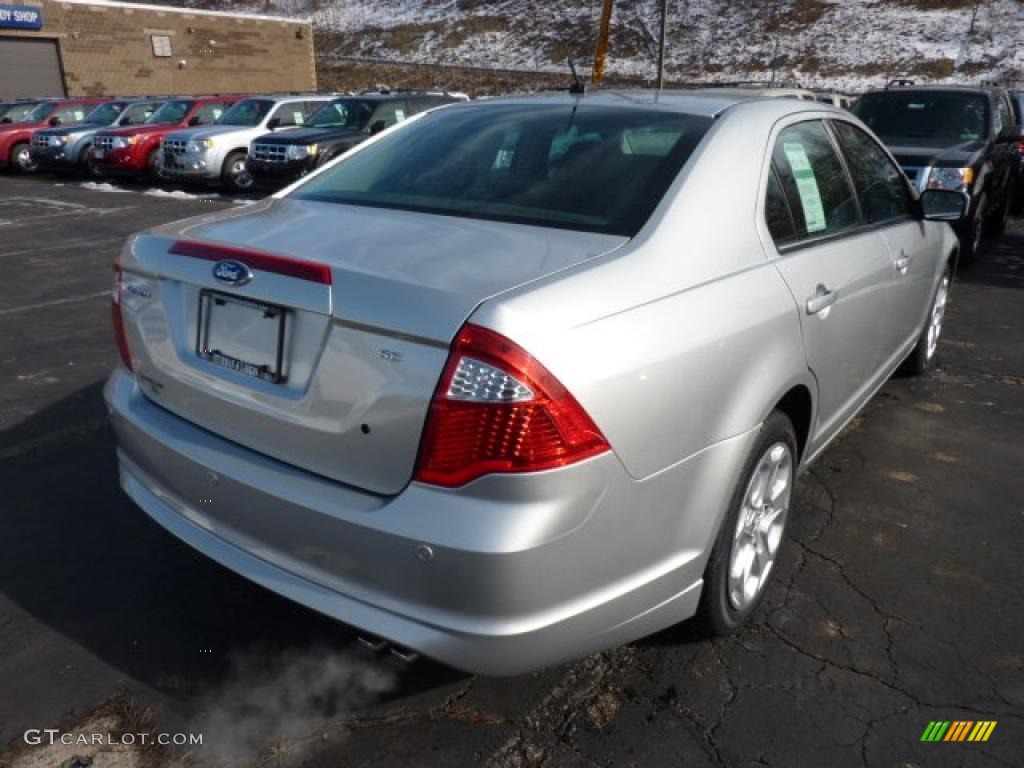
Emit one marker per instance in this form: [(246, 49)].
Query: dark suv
[(276, 159), (952, 137), (1017, 102)]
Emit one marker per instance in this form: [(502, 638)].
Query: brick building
[(99, 48)]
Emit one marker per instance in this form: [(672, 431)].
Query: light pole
[(661, 44)]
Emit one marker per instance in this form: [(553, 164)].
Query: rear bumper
[(524, 572)]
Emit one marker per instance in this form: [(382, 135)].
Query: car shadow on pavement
[(96, 597), (1001, 263)]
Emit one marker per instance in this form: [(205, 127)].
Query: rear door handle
[(823, 298), (903, 262)]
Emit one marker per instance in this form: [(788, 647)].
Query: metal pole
[(661, 44), (602, 44)]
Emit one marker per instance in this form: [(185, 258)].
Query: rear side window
[(1003, 116), (814, 181), (776, 213), (880, 185)]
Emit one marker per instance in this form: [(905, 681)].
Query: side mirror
[(377, 126), (1011, 133), (5, 120), (125, 121), (193, 121), (944, 205), (53, 121), (273, 124)]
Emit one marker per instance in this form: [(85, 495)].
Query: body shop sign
[(21, 17)]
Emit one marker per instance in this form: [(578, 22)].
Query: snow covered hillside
[(839, 43)]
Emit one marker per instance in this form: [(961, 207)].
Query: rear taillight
[(115, 307), (1020, 146), (497, 409)]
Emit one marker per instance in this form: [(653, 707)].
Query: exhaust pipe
[(379, 645)]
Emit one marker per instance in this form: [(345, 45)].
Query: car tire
[(752, 532), (923, 356), (21, 158), (973, 238), (155, 166), (235, 174), (1001, 217), (88, 164)]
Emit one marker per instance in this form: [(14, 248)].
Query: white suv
[(217, 152)]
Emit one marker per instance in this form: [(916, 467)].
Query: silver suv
[(217, 152)]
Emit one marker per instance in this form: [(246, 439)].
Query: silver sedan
[(523, 379)]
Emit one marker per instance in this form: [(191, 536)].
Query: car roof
[(937, 87), (702, 103)]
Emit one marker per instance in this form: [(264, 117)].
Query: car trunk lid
[(370, 300)]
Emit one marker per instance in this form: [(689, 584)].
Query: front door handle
[(823, 298), (903, 262)]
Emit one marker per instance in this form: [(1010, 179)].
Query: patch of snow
[(179, 194), (102, 186)]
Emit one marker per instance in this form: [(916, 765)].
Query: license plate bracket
[(242, 335)]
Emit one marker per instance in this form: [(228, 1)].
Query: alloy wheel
[(760, 524), (23, 159), (979, 229), (240, 175), (935, 317)]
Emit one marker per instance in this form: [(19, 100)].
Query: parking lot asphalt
[(898, 600)]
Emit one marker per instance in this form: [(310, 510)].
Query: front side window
[(17, 113), (248, 113), (136, 114), (40, 112), (879, 183), (104, 114), (350, 114), (208, 114), (71, 114), (289, 114), (389, 114), (171, 112), (497, 162), (924, 117), (814, 181)]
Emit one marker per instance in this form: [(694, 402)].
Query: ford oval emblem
[(232, 272)]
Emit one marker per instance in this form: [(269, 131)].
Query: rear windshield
[(592, 168), (249, 112), (941, 117), (343, 113), (171, 112)]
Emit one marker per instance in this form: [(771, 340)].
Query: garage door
[(30, 67)]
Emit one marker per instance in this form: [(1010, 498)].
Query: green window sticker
[(806, 186)]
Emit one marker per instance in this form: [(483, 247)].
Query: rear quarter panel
[(687, 336)]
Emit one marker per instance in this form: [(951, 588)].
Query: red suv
[(136, 150), (16, 136)]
